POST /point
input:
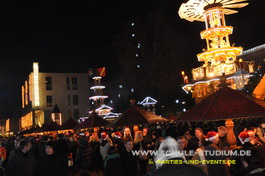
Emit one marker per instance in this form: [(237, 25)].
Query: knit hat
[(212, 135), (103, 134), (244, 137), (50, 144)]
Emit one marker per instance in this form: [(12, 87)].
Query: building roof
[(56, 109), (69, 124), (137, 116), (225, 103), (52, 126), (148, 101), (93, 121), (172, 117), (257, 52)]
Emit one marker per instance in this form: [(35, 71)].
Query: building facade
[(42, 91)]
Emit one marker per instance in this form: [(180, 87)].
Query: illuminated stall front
[(27, 121)]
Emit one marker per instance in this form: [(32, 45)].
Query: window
[(48, 83), (69, 100), (76, 114), (69, 113), (75, 100), (49, 100), (74, 83), (68, 83)]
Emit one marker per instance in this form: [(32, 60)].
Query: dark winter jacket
[(193, 144), (113, 165), (239, 169), (51, 165), (21, 164), (84, 156), (215, 169), (129, 163), (61, 148)]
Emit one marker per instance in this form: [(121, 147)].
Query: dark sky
[(71, 35)]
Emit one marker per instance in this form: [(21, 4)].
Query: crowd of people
[(109, 152)]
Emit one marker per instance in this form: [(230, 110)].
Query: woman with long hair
[(139, 144)]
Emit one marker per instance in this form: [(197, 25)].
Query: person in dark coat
[(40, 147), (118, 142), (173, 169), (242, 162), (113, 164), (22, 162), (97, 161), (84, 155), (256, 166), (51, 164), (211, 146), (129, 161), (61, 147), (147, 138), (194, 142), (73, 146), (223, 144)]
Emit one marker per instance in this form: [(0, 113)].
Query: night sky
[(72, 35)]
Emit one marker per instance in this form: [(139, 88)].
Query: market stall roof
[(172, 117), (93, 121), (31, 130), (257, 52), (53, 126), (69, 124), (225, 103), (137, 116)]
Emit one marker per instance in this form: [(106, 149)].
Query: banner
[(102, 71)]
